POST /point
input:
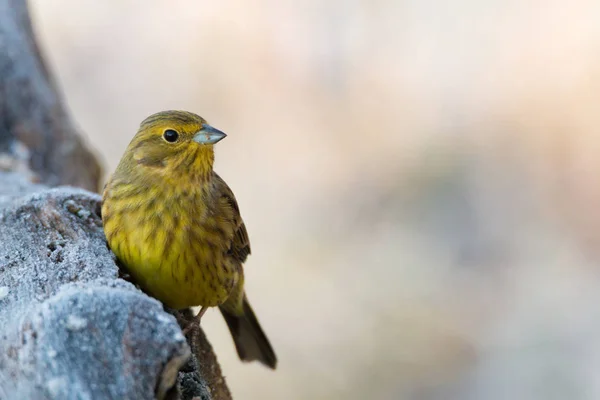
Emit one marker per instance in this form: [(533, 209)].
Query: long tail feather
[(250, 341)]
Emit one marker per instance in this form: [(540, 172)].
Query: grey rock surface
[(69, 328)]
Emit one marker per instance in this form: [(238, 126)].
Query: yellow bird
[(175, 225)]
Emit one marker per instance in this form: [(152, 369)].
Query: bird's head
[(171, 141)]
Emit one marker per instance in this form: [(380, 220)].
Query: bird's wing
[(240, 244)]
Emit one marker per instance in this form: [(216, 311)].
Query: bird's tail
[(250, 341)]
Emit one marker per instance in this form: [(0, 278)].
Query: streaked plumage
[(175, 225)]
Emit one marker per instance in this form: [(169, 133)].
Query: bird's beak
[(208, 135)]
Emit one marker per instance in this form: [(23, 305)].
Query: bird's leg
[(195, 320)]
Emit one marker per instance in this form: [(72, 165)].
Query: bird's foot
[(195, 322)]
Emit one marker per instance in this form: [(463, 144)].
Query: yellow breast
[(175, 250)]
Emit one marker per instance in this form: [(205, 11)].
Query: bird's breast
[(174, 244)]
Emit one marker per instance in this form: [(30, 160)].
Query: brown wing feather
[(240, 245), (250, 341)]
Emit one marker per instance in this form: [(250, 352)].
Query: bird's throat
[(196, 163)]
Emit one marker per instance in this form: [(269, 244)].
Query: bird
[(176, 229)]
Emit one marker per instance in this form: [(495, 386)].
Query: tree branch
[(34, 127)]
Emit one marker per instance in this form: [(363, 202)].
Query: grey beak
[(208, 135)]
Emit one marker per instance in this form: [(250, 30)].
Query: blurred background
[(420, 179)]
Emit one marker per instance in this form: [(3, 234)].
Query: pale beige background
[(420, 179)]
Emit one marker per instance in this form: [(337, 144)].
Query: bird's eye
[(171, 136)]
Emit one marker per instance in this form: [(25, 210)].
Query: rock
[(69, 327)]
